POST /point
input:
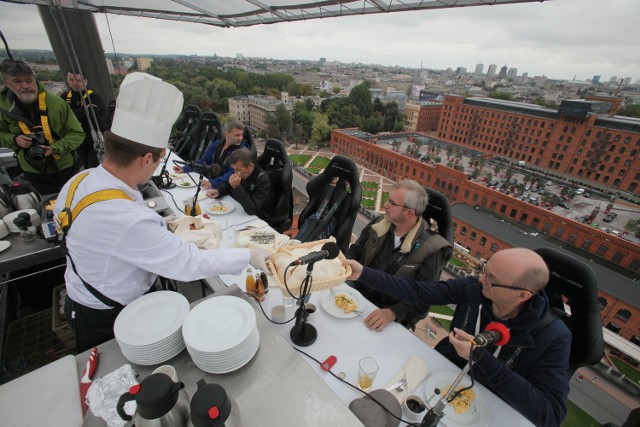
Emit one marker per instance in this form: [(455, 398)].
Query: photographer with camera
[(39, 126)]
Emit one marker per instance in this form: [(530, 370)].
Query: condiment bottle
[(250, 284), (265, 281), (259, 289)]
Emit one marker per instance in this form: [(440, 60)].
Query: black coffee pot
[(211, 406)]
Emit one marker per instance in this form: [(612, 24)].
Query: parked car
[(579, 191), (549, 183), (587, 194), (564, 204)]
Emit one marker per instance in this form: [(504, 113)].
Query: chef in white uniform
[(118, 247)]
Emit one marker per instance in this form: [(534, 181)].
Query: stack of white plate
[(221, 334), (4, 230), (8, 219), (149, 330)]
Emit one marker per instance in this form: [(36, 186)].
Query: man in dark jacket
[(399, 243), (530, 372), (77, 97), (218, 153), (249, 185)]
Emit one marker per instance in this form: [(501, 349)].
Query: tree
[(489, 176), (500, 95), (320, 131), (633, 226), (475, 174), (279, 123), (361, 99), (373, 124), (391, 116), (303, 119), (630, 110), (497, 169)]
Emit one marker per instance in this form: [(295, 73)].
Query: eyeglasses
[(392, 203), (496, 285)]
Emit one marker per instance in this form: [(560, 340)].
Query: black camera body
[(38, 146)]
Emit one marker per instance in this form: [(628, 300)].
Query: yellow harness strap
[(67, 215), (70, 95), (44, 121)]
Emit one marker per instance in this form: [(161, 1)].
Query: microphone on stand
[(495, 333), (329, 250), (163, 180), (212, 170)]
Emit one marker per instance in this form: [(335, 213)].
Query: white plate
[(229, 208), (150, 319), (219, 324), (328, 301), (4, 245), (477, 414)]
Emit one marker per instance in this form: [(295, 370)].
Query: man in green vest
[(92, 119), (39, 126)]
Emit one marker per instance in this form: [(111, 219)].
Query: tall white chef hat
[(146, 108)]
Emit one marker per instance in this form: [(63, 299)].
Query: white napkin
[(104, 393), (205, 233), (415, 371)]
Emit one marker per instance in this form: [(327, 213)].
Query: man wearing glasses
[(530, 372), (399, 243)]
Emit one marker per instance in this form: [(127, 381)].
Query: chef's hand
[(213, 194), (177, 169), (258, 257), (356, 268), (23, 141), (235, 180), (380, 318), (205, 184), (461, 341)]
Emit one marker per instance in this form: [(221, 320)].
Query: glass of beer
[(367, 371)]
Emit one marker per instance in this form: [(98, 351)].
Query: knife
[(85, 381)]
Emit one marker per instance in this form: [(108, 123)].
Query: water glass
[(367, 371)]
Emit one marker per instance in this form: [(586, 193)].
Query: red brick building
[(369, 153), (582, 138)]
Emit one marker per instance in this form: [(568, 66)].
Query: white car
[(579, 191)]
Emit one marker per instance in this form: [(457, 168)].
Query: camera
[(38, 147)]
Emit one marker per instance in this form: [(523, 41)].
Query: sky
[(560, 39)]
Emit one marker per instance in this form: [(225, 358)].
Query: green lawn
[(369, 194), (299, 159), (457, 263), (320, 162), (313, 170), (385, 197), (576, 417), (368, 203), (626, 369), (369, 185), (442, 309)]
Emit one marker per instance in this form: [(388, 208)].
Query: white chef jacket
[(120, 246)]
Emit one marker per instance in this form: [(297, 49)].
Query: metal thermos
[(161, 403), (211, 406), (25, 196)]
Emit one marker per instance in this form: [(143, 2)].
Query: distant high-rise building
[(461, 71), (626, 81), (503, 72), (479, 68), (239, 56), (525, 75), (596, 79), (613, 80), (512, 73), (322, 61), (110, 66), (492, 70)]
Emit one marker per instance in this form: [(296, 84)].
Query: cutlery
[(398, 386), (85, 382)]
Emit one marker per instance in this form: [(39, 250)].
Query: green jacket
[(65, 127)]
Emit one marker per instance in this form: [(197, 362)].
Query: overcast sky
[(560, 38)]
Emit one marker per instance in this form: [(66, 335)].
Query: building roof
[(609, 281), (242, 13)]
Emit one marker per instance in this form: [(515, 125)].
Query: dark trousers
[(87, 156), (91, 326)]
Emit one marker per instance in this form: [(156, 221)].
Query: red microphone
[(495, 333)]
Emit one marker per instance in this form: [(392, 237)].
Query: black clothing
[(255, 194), (86, 153)]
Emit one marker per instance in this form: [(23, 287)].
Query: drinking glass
[(367, 371)]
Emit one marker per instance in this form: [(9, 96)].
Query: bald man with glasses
[(530, 372), (400, 242)]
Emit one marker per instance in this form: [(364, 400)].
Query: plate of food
[(220, 208), (342, 302), (467, 409), (186, 183)]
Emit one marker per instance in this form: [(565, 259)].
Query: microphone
[(495, 333), (330, 250), (213, 170)]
